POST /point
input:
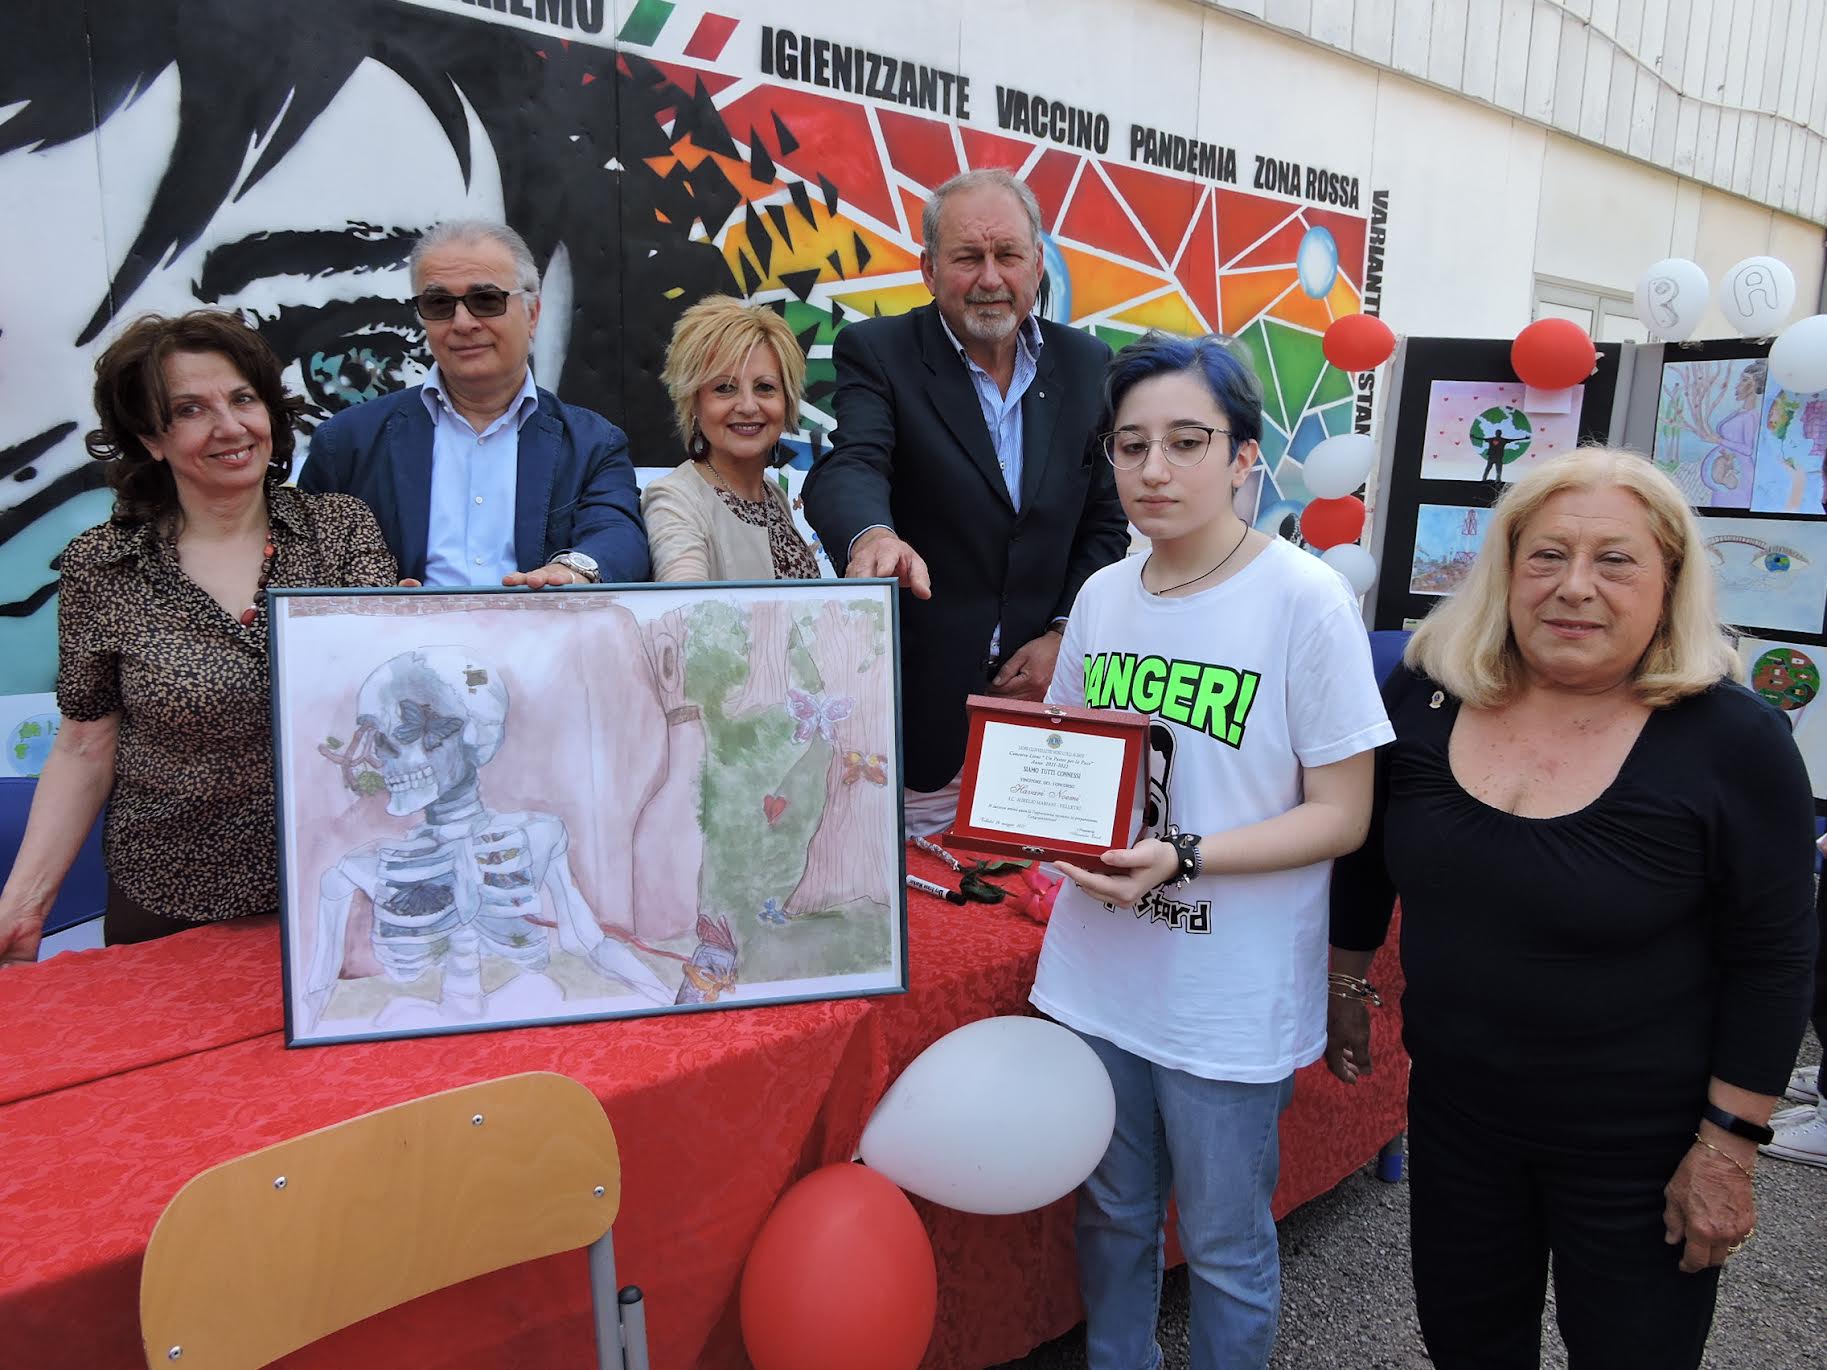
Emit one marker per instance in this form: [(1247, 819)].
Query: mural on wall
[(280, 161)]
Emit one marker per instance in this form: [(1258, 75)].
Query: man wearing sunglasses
[(478, 476)]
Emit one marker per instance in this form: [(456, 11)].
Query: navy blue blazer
[(574, 487)]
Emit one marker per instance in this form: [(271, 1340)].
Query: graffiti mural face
[(478, 355), (314, 255), (987, 268), (281, 160)]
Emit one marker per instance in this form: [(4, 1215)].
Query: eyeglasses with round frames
[(1182, 446), (484, 302)]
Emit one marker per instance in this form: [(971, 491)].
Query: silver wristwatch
[(580, 562)]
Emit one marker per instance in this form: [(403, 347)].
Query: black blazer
[(912, 451)]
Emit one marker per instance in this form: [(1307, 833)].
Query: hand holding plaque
[(1048, 782)]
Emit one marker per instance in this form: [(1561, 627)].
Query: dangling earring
[(698, 445)]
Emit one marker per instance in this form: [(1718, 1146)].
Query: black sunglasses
[(485, 302)]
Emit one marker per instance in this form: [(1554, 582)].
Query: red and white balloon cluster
[(1003, 1115), (1337, 468)]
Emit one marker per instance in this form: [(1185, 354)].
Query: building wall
[(1726, 92), (277, 158)]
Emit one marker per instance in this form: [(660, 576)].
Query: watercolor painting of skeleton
[(503, 808)]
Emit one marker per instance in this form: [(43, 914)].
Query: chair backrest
[(1386, 648), (266, 1253)]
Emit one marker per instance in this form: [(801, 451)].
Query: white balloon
[(1354, 563), (1671, 298), (1002, 1116), (1339, 465), (1757, 296), (1798, 358)]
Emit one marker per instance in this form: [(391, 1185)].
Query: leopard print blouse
[(191, 832), (792, 559)]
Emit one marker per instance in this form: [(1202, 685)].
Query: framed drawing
[(500, 808)]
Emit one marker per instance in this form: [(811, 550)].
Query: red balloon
[(1552, 354), (841, 1276), (1358, 342), (1328, 522)]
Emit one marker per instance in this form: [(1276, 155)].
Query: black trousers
[(126, 920), (1487, 1210)]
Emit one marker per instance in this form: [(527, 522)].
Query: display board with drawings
[(1749, 455), (1465, 426)]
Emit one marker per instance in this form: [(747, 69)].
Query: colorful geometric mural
[(280, 160), (831, 191)]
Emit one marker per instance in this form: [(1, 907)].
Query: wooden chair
[(266, 1253)]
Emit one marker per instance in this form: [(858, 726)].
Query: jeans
[(1214, 1144)]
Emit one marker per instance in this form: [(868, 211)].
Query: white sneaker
[(1794, 1113), (1804, 1140), (1802, 1082)]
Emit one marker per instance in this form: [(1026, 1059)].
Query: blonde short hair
[(1466, 643), (713, 334)]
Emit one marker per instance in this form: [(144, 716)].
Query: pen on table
[(914, 882)]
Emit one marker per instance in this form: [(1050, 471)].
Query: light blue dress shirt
[(470, 540), (1002, 413)]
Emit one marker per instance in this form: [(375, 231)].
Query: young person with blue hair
[(1195, 964)]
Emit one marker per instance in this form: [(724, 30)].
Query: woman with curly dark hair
[(162, 634)]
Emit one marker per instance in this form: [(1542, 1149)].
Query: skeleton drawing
[(466, 882)]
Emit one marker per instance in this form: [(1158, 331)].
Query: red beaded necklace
[(249, 614)]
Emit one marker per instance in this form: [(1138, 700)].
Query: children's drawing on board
[(1788, 675), (1478, 430), (1447, 539), (1771, 573), (1733, 439), (504, 809)]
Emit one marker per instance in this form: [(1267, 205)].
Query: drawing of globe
[(1787, 678), (28, 746), (1501, 421)]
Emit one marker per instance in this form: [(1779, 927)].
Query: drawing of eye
[(1771, 557)]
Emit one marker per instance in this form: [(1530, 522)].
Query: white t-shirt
[(1247, 682)]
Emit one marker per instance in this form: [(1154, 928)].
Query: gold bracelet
[(1344, 986), (1728, 1155)]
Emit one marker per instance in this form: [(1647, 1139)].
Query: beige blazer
[(693, 535)]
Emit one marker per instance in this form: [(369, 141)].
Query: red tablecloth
[(129, 1070)]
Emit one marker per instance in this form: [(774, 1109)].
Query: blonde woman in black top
[(1600, 842)]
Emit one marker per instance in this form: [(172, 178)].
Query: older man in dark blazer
[(478, 476), (966, 464)]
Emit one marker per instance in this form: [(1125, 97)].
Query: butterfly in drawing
[(771, 912), (861, 766), (421, 720), (817, 713)]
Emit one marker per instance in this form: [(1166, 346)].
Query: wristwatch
[(581, 562)]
